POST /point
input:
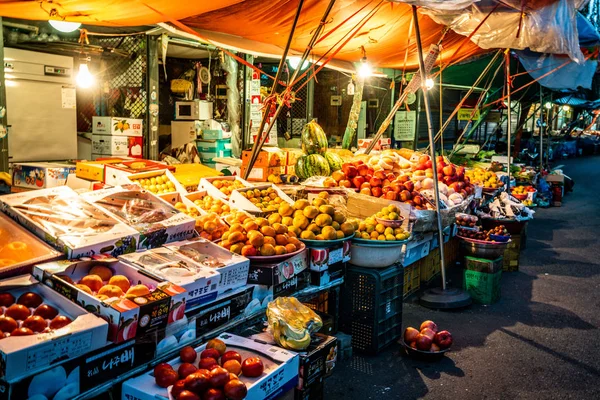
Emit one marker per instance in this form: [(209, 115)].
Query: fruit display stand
[(19, 249), (237, 200)]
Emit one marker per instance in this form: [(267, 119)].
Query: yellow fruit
[(329, 233), (398, 230), (300, 222), (286, 210), (295, 230), (287, 221), (274, 218), (370, 228), (364, 235), (340, 234), (314, 228), (269, 240), (295, 242), (327, 209), (311, 212), (380, 228), (308, 235), (235, 237), (237, 248), (324, 195), (280, 250), (301, 204), (268, 231), (399, 236), (250, 226), (361, 227), (319, 237), (323, 220), (390, 237), (374, 235), (290, 248), (347, 228), (237, 227), (280, 228), (267, 250), (261, 222), (381, 237), (256, 238), (388, 231), (281, 240), (339, 217), (319, 202)]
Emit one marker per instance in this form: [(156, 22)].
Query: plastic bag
[(292, 323)]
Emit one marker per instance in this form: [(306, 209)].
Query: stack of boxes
[(114, 136), (482, 279), (270, 161), (215, 142)]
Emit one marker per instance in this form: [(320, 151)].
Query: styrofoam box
[(234, 273), (239, 201), (128, 317), (199, 281), (116, 126), (74, 245), (178, 226), (110, 145), (24, 355), (279, 376), (206, 184)]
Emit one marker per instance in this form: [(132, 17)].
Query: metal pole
[(441, 109), (3, 121), (550, 111), (431, 146), (153, 83), (509, 116), (541, 130)]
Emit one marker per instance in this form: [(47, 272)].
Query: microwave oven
[(193, 110)]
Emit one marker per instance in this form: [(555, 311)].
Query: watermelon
[(314, 140), (300, 167), (335, 161), (316, 165)]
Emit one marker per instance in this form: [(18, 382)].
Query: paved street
[(541, 341)]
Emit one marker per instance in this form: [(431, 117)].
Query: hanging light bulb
[(365, 70), (548, 105), (84, 78), (429, 83), (64, 26), (566, 107), (295, 62)]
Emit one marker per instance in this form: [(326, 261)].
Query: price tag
[(336, 255)]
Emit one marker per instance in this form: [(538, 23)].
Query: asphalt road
[(540, 341)]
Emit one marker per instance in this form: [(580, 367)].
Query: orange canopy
[(267, 22)]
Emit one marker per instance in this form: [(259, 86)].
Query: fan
[(204, 75)]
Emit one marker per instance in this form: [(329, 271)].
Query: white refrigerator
[(40, 105)]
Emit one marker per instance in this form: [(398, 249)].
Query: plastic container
[(480, 248), (376, 254), (372, 307)]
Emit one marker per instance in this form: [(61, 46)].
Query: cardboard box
[(240, 202), (200, 282), (267, 157), (91, 229), (266, 293), (40, 175), (417, 248), (317, 361), (145, 179), (233, 268), (382, 144), (321, 258), (117, 126), (25, 355), (331, 274), (260, 174), (109, 145), (277, 273), (207, 184), (117, 173), (512, 254), (280, 375), (483, 288), (483, 265), (83, 185), (94, 170), (158, 222), (292, 155), (227, 169), (127, 318), (555, 178)]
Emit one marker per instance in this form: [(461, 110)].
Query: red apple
[(391, 195), (377, 191), (390, 176), (413, 345), (187, 354), (386, 182), (60, 322), (186, 395), (410, 186), (448, 180), (396, 186), (428, 164), (177, 388), (6, 299), (162, 366), (410, 334), (35, 323), (368, 177), (23, 331), (423, 159), (345, 183), (186, 369), (198, 382), (414, 194), (207, 363), (357, 181), (8, 324), (166, 377), (252, 367), (418, 200), (218, 377), (463, 193), (380, 174), (434, 347), (210, 353), (454, 186), (30, 300), (231, 355), (46, 311), (449, 170), (405, 195), (370, 171), (385, 189), (366, 191), (358, 162), (363, 169), (18, 312), (213, 394), (428, 332), (424, 343), (375, 182), (443, 339), (403, 178), (235, 390), (429, 324)]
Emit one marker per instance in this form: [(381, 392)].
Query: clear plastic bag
[(292, 323)]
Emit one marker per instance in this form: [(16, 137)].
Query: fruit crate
[(412, 279), (371, 308)]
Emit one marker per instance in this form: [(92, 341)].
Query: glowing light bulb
[(566, 107), (548, 105), (429, 83), (64, 26), (295, 62), (365, 70), (84, 78)]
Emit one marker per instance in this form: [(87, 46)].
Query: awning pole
[(541, 130), (509, 116)]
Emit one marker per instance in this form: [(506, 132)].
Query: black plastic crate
[(327, 306), (371, 306)]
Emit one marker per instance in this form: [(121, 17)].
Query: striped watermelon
[(335, 161), (316, 165), (314, 140), (300, 168)]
